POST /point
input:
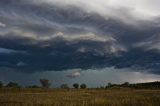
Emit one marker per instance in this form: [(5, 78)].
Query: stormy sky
[(64, 39)]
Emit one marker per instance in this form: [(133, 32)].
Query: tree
[(1, 84), (64, 86), (76, 85), (83, 86), (109, 84), (45, 83), (13, 85)]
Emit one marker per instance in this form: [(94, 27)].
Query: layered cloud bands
[(67, 34)]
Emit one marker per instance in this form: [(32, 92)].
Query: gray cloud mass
[(69, 34)]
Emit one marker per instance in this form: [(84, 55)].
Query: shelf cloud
[(59, 35)]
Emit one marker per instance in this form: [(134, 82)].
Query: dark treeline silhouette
[(146, 85), (45, 83), (13, 85), (153, 85)]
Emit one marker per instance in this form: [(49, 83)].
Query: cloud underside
[(60, 35)]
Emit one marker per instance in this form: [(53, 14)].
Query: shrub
[(83, 86), (13, 85), (76, 85)]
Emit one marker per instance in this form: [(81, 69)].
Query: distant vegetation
[(83, 86), (45, 83), (13, 85), (1, 84), (147, 85), (76, 85)]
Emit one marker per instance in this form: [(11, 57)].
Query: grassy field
[(73, 97)]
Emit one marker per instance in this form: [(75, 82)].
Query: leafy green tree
[(83, 86), (76, 85), (13, 85), (45, 83)]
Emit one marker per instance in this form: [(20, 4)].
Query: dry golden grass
[(72, 97)]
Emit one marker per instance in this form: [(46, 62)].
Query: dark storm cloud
[(59, 35)]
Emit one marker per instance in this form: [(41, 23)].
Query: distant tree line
[(45, 83), (146, 85), (10, 85)]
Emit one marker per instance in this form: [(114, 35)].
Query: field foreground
[(73, 97)]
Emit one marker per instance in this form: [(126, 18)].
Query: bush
[(13, 85), (83, 86), (76, 85)]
